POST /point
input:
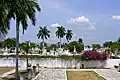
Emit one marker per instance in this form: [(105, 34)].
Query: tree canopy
[(79, 46), (69, 35), (9, 43)]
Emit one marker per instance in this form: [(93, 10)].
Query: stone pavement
[(60, 74), (109, 74), (51, 74)]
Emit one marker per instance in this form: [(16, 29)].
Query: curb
[(35, 78), (65, 74)]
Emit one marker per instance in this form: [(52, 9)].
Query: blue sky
[(96, 21)]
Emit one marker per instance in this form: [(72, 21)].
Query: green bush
[(79, 46)]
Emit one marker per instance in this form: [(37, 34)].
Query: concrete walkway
[(109, 74), (60, 74), (51, 74)]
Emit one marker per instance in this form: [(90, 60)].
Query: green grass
[(83, 75), (5, 69)]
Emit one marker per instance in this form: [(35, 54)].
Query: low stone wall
[(61, 63)]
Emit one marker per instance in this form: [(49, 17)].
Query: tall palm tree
[(3, 19), (21, 11), (69, 35), (43, 33), (60, 33)]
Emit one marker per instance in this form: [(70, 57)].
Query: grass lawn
[(83, 75), (5, 69)]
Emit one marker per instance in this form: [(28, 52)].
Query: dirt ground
[(5, 69), (83, 75)]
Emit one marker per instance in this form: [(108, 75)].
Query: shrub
[(94, 55)]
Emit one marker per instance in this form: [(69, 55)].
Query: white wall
[(112, 62), (47, 62)]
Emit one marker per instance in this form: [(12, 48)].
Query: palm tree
[(3, 19), (21, 11), (60, 33), (69, 35), (43, 33), (80, 40)]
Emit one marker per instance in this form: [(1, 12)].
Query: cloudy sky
[(96, 21)]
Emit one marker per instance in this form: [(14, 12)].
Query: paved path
[(109, 74), (60, 74), (51, 74)]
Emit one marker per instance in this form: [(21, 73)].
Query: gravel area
[(109, 74), (60, 74), (52, 74)]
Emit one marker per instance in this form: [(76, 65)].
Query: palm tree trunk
[(26, 62), (17, 46), (27, 55), (43, 43), (60, 42)]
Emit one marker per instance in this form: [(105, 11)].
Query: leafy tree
[(69, 35), (53, 46), (79, 46), (32, 45), (115, 47), (43, 33), (96, 46), (118, 40), (9, 43), (107, 44), (1, 44), (60, 33)]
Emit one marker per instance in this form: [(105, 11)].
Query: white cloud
[(55, 25), (116, 17), (82, 21)]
